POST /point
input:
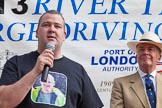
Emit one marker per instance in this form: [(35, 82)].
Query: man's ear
[(64, 36), (36, 33), (160, 57)]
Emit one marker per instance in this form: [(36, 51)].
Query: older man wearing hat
[(142, 89)]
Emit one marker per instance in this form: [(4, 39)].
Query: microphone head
[(50, 45)]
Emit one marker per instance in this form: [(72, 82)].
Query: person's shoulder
[(71, 61), (24, 55), (159, 74), (28, 54), (127, 77)]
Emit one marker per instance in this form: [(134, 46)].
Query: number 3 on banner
[(24, 7), (1, 6), (21, 3)]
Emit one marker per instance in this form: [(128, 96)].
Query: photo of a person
[(47, 93)]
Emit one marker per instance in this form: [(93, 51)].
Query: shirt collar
[(142, 74)]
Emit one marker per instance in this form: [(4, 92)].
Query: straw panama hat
[(148, 37)]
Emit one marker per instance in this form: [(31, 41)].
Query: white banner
[(97, 33)]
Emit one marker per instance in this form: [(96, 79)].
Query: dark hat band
[(145, 40), (152, 41)]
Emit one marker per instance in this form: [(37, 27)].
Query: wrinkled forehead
[(145, 44), (148, 45)]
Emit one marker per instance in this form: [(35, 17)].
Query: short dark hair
[(51, 12)]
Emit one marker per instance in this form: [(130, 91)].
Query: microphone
[(50, 46)]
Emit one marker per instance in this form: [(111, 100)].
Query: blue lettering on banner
[(114, 60), (120, 68), (1, 28), (10, 37), (80, 29), (76, 6), (118, 60)]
